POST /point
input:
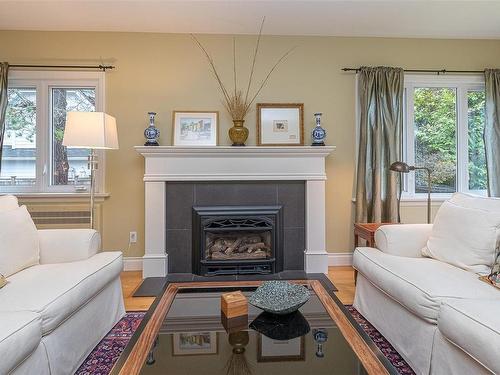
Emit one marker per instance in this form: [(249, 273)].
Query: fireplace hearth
[(229, 240)]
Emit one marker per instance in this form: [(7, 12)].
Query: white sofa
[(442, 319), (53, 313)]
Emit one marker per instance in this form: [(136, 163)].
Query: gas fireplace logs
[(238, 246)]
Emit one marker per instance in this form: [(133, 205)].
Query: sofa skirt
[(410, 335), (449, 359), (72, 341), (36, 363)]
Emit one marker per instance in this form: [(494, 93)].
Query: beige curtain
[(380, 91), (492, 130), (4, 70)]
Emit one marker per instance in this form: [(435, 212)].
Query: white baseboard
[(132, 263), (339, 259), (316, 262), (334, 259)]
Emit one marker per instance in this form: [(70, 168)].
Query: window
[(69, 165), (444, 124), (19, 145), (33, 157)]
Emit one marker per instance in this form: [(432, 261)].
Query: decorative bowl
[(279, 297)]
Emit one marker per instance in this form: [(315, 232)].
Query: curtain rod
[(101, 67), (437, 71)]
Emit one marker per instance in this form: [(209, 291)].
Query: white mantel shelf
[(164, 164), (223, 163), (244, 151)]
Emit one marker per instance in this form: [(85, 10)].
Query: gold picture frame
[(189, 128), (280, 124)]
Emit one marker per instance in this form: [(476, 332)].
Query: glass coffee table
[(184, 333)]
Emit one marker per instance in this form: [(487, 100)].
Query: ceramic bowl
[(279, 297)]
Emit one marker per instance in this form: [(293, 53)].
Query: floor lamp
[(402, 167), (92, 130)]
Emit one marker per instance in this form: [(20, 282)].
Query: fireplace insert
[(230, 240)]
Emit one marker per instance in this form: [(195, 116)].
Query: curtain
[(492, 130), (380, 91), (4, 70)]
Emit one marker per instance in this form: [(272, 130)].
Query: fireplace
[(229, 240), (176, 179)]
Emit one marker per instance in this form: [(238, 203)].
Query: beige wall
[(165, 72)]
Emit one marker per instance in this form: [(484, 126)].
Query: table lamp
[(402, 167), (92, 130)]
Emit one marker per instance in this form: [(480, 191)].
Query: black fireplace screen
[(237, 240)]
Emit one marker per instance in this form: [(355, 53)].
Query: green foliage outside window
[(435, 137), (477, 157), (435, 119)]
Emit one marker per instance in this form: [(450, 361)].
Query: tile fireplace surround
[(250, 164)]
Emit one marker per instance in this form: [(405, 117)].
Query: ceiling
[(426, 19)]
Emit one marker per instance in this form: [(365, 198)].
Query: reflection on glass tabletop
[(195, 338)]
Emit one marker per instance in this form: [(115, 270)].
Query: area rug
[(101, 360), (387, 349)]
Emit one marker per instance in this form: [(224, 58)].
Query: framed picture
[(194, 343), (280, 124), (194, 128), (269, 350)]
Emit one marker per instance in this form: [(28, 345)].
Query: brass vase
[(238, 133)]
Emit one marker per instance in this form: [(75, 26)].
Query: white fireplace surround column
[(226, 163)]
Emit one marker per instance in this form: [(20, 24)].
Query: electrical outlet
[(133, 237)]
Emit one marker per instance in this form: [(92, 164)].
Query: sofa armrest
[(67, 245), (405, 240)]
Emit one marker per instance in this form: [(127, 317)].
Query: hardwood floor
[(342, 277), (130, 282)]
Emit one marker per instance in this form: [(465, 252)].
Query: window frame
[(463, 84), (43, 82)]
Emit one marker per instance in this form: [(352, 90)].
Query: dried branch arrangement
[(235, 101), (238, 365)]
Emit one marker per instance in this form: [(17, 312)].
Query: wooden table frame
[(370, 356)]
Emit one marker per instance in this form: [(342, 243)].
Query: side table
[(366, 231)]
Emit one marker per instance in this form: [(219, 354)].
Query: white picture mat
[(182, 117), (267, 118), (280, 348)]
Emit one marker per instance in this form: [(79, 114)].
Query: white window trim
[(43, 81), (462, 83)]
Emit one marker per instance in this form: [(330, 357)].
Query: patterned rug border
[(381, 342), (102, 359)]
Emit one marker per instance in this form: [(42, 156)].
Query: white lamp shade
[(90, 130)]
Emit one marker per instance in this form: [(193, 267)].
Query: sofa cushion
[(18, 241), (8, 202), (20, 334), (419, 284), (474, 327), (465, 233), (474, 201), (56, 291)]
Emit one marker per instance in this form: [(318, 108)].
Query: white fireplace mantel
[(226, 163)]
